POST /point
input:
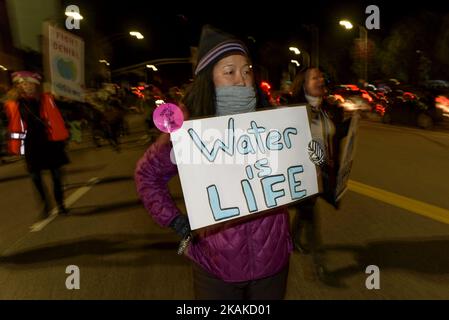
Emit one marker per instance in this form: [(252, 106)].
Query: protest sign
[(233, 166), (64, 62), (348, 144)]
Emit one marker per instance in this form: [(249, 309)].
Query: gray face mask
[(235, 99)]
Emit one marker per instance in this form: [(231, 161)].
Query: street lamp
[(295, 50), (106, 42), (74, 15), (106, 69), (3, 68), (152, 67), (345, 23), (305, 57), (119, 35), (363, 35), (136, 34)]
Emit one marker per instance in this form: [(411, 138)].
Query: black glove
[(181, 225)]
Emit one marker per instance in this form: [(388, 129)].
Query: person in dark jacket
[(246, 258), (309, 88), (38, 130), (325, 119)]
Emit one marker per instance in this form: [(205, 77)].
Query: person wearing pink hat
[(37, 131)]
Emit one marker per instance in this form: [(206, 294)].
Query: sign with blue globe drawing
[(65, 63), (66, 68)]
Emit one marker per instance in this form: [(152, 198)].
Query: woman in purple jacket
[(247, 258)]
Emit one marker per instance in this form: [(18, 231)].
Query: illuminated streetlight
[(121, 35), (151, 66), (345, 23), (295, 62), (363, 35), (295, 50), (107, 43), (3, 68), (74, 15), (104, 61), (136, 34)]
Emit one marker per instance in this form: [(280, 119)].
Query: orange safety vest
[(49, 114)]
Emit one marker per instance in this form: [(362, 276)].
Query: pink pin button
[(168, 117)]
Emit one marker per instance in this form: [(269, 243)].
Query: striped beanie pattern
[(214, 44)]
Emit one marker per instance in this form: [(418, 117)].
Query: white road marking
[(75, 196)]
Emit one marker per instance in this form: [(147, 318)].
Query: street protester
[(240, 259), (309, 88), (37, 130), (325, 120)]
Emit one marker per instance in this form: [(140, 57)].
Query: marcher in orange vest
[(37, 130)]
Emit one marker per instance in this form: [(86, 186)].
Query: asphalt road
[(395, 216)]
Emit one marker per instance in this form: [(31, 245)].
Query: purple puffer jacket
[(248, 248)]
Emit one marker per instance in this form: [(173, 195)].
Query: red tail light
[(339, 98), (366, 96), (265, 86), (380, 109)]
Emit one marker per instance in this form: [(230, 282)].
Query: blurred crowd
[(102, 116)]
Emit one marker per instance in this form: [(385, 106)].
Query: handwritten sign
[(233, 166), (64, 62)]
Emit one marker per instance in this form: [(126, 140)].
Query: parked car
[(413, 106), (352, 98), (439, 90)]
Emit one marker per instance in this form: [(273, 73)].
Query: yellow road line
[(415, 206)]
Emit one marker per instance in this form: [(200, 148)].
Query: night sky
[(170, 28)]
